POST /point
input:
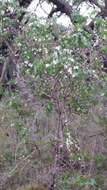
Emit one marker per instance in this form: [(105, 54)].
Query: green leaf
[(104, 50), (49, 108), (39, 68), (77, 18)]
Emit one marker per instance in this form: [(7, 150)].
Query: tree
[(56, 72)]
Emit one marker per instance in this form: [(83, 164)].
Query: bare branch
[(95, 2), (24, 3), (105, 1), (62, 6)]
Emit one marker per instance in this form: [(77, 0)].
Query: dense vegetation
[(53, 97)]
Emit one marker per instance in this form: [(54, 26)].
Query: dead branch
[(3, 72)]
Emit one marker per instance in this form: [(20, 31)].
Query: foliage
[(51, 108)]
